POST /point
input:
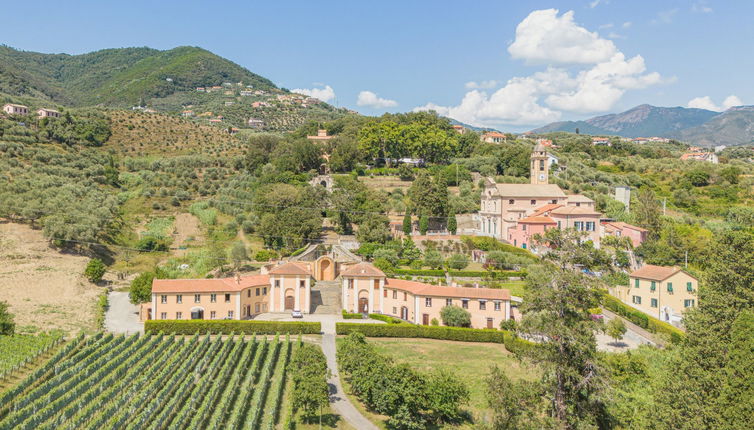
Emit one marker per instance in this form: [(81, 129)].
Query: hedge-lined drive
[(231, 326), (429, 332), (641, 319)]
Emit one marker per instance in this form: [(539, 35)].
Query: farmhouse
[(48, 113), (321, 136), (342, 283), (493, 137), (709, 157), (660, 291), (621, 229), (14, 109)]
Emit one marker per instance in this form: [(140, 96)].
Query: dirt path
[(187, 232), (45, 288)]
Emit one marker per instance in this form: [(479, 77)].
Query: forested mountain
[(641, 121), (117, 77)]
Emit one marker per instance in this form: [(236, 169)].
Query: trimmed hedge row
[(423, 272), (642, 320), (388, 319), (231, 326), (421, 331), (350, 316), (504, 274)]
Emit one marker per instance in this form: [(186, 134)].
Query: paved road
[(633, 338), (339, 401), (122, 316)]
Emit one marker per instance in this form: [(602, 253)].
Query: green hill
[(117, 77)]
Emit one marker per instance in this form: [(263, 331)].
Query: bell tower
[(540, 167)]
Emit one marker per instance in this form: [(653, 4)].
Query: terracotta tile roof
[(579, 198), (422, 289), (363, 269), (537, 220), (655, 273), (493, 134), (208, 285), (574, 210), (546, 208), (621, 225), (530, 190), (290, 268)]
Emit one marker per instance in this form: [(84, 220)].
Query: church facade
[(515, 212)]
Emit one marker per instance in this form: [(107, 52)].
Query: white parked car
[(297, 314)]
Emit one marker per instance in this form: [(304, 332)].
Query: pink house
[(522, 234), (621, 229)]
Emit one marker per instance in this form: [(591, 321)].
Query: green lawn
[(516, 287), (470, 361)]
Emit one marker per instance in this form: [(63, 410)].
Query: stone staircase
[(326, 297)]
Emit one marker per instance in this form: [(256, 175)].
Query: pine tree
[(407, 224), (736, 402), (452, 223)]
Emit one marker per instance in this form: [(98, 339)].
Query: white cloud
[(325, 94), (627, 24), (707, 103), (595, 3), (701, 7), (482, 85), (370, 99), (665, 16), (543, 37), (592, 78)]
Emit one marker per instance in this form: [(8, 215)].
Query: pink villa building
[(287, 286), (621, 229), (516, 212)]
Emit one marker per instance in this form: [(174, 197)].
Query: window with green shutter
[(670, 287), (652, 286), (636, 283), (689, 287), (653, 303)]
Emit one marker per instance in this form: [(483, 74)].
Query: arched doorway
[(404, 313), (290, 300), (325, 270), (197, 313), (363, 305)]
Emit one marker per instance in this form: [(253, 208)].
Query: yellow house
[(660, 291)]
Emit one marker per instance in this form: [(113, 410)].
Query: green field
[(470, 361), (18, 350), (153, 381)]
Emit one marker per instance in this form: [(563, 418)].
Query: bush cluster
[(418, 331), (351, 316), (231, 326), (410, 398)]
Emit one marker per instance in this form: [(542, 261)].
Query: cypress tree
[(407, 224)]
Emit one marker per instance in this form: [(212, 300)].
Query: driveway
[(122, 316), (631, 340), (339, 401)]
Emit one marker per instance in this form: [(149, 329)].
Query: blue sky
[(531, 64)]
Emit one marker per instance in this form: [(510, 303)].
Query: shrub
[(7, 326), (95, 270), (461, 334), (433, 259), (425, 272), (388, 319), (265, 255), (231, 326), (455, 316), (458, 261), (350, 316)]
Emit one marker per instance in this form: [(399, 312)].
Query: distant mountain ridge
[(698, 126), (117, 77)]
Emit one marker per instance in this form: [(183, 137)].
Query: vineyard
[(19, 350), (153, 381)]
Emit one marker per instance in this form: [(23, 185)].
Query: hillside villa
[(14, 109), (319, 282), (321, 136), (659, 291), (516, 212), (709, 157), (48, 113), (493, 137)]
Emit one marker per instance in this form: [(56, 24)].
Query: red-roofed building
[(709, 157), (663, 292), (493, 137), (637, 235)]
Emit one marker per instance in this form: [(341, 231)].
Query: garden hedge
[(231, 326), (420, 272), (641, 319), (499, 274), (351, 316), (388, 319), (421, 331)]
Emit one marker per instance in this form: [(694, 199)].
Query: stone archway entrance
[(325, 269), (363, 305)]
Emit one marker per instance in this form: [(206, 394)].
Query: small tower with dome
[(540, 168)]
